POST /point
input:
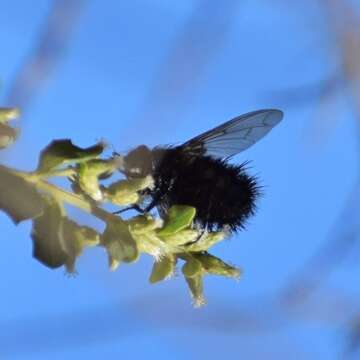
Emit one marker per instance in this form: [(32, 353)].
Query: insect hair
[(223, 194)]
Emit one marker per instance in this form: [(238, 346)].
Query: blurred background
[(160, 72)]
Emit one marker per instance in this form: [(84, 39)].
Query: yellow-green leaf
[(63, 151), (119, 243), (76, 238), (19, 198), (47, 236), (90, 172)]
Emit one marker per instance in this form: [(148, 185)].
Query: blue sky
[(132, 74)]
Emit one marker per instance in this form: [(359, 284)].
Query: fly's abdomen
[(223, 194)]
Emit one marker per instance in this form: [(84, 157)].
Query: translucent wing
[(235, 135)]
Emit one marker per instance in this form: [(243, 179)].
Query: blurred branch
[(342, 239), (302, 95), (344, 24), (344, 34), (41, 62), (197, 44), (102, 325), (50, 333), (107, 324)]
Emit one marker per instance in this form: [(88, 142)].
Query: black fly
[(197, 173)]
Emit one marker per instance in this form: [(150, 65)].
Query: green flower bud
[(119, 243), (195, 284), (214, 265), (7, 114), (125, 192), (163, 269), (192, 267)]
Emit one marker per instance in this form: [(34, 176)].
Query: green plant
[(59, 241)]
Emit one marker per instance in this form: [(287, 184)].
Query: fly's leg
[(150, 206), (197, 238), (200, 235), (132, 207), (138, 208)]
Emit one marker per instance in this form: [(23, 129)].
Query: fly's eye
[(135, 171)]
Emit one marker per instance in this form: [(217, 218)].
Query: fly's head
[(138, 162)]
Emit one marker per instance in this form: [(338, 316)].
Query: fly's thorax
[(161, 154), (138, 162)]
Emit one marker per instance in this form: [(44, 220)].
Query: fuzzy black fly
[(197, 173)]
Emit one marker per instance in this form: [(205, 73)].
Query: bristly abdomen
[(222, 193)]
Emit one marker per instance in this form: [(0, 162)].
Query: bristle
[(223, 194)]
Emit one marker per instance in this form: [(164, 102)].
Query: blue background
[(159, 72)]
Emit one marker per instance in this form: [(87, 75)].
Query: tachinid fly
[(197, 173)]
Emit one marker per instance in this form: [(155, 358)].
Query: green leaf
[(47, 236), (7, 114), (88, 175), (88, 178), (63, 151), (178, 218), (216, 266), (7, 135), (19, 198), (98, 167), (119, 243), (162, 269), (76, 238)]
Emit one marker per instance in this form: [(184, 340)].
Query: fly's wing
[(235, 135)]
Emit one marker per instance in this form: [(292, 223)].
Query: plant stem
[(73, 199), (63, 195), (62, 172)]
